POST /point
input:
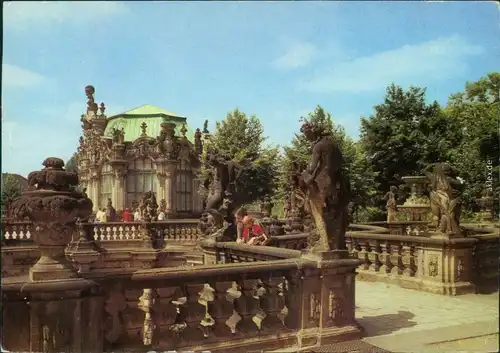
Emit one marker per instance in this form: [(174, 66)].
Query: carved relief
[(433, 266), (314, 309), (335, 309), (460, 269)]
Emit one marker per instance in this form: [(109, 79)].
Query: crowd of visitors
[(249, 231)]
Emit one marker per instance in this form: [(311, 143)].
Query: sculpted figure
[(445, 198), (110, 211), (118, 135), (327, 189), (220, 202), (390, 197)]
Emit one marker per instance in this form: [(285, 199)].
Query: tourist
[(240, 214), (127, 216), (98, 216), (104, 216), (253, 234), (162, 216), (137, 215)]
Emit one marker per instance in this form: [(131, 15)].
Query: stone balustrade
[(273, 304)]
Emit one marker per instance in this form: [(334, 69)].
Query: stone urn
[(54, 206)]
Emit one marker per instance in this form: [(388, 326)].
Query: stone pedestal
[(446, 265), (328, 299)]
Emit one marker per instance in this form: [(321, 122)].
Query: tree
[(359, 172), (242, 139), (11, 189), (405, 135), (477, 109), (72, 163)]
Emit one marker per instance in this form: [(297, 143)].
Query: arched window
[(106, 185), (141, 178), (183, 188)]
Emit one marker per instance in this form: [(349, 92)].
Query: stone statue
[(198, 144), (221, 202), (148, 207), (110, 211), (327, 190), (391, 198), (287, 207), (118, 136), (91, 104), (205, 127), (445, 198)]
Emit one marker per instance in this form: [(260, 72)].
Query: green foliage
[(359, 172), (72, 164), (11, 189), (477, 109), (406, 135), (242, 139)]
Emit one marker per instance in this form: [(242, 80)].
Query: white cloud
[(17, 77), (21, 14), (297, 55), (438, 59)]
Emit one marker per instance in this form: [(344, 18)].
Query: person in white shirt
[(137, 215), (161, 216)]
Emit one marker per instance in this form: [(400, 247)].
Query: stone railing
[(175, 230), (264, 305), (117, 246), (14, 233)]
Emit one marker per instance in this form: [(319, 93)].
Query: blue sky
[(202, 59)]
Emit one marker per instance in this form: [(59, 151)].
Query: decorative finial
[(144, 126), (91, 105), (102, 108), (183, 130)]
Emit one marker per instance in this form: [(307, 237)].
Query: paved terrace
[(404, 320)]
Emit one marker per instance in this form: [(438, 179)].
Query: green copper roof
[(153, 116)]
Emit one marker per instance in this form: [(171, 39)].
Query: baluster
[(183, 233), (272, 302), (28, 231), (374, 257), (363, 255), (102, 231), (221, 309), (208, 322), (14, 233), (384, 258), (108, 233), (247, 306), (134, 232), (397, 265), (120, 232), (179, 324), (146, 303), (6, 234), (165, 314), (195, 312), (177, 232), (408, 260), (114, 231)]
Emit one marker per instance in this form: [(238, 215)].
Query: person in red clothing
[(127, 216), (253, 234)]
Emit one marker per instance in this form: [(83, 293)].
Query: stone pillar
[(328, 299), (170, 188), (119, 195), (446, 265), (160, 185)]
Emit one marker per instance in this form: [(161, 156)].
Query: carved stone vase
[(53, 206)]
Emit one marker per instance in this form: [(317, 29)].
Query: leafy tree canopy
[(359, 172), (241, 138), (11, 188), (405, 135), (72, 163)]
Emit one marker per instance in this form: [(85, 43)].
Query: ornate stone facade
[(146, 149)]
